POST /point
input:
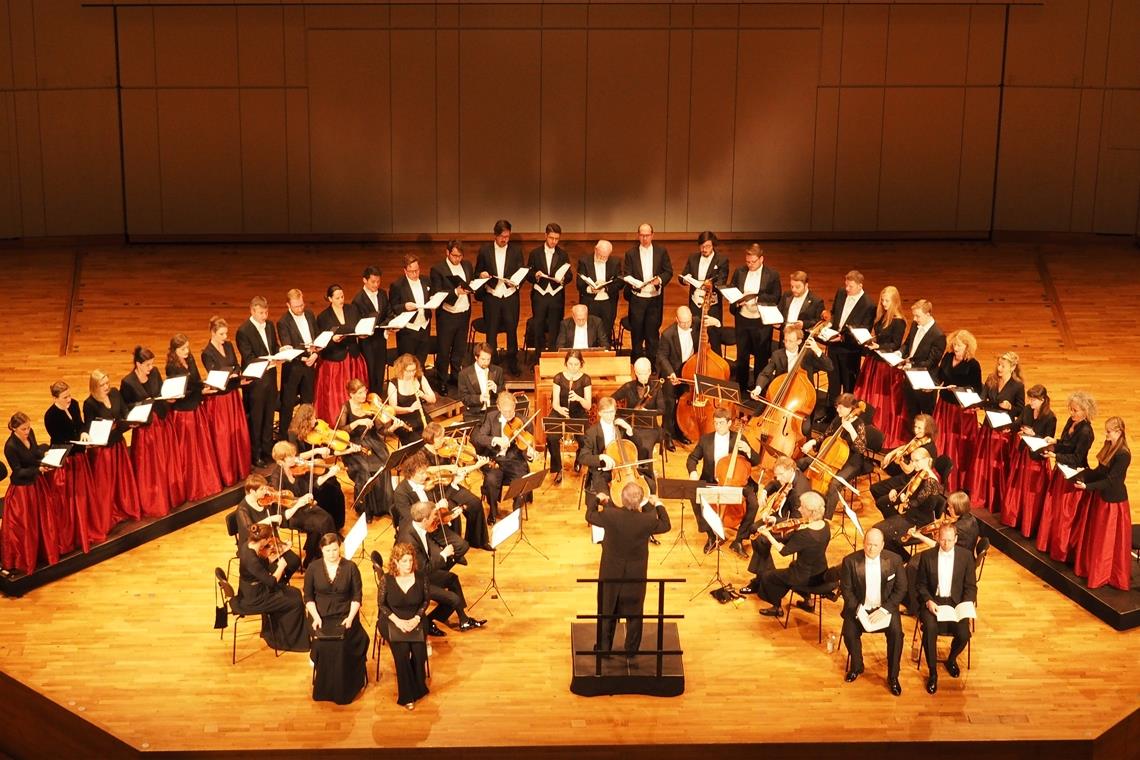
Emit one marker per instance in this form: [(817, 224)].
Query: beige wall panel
[(928, 46), (831, 46), (987, 38), (200, 154), (141, 165), (75, 46), (563, 176), (630, 16), (824, 159), (501, 16), (1046, 44), (350, 131), (295, 53), (922, 147), (857, 160), (9, 172), (297, 156), (775, 125), (264, 161), (22, 39), (196, 47), (626, 132), (499, 151), (1097, 37), (448, 125), (712, 128), (413, 131), (136, 47), (1090, 132), (1124, 46), (677, 129), (781, 16), (1035, 170), (30, 151), (979, 147), (261, 47), (82, 190), (864, 56)]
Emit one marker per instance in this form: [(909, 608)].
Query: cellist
[(678, 343), (598, 437), (643, 392), (850, 426), (710, 449), (814, 361)]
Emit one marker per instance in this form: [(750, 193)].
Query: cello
[(833, 453), (623, 452), (694, 411), (733, 469)]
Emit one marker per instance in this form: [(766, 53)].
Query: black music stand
[(461, 428), (561, 427), (681, 489), (715, 511), (395, 459), (521, 487), (500, 532), (714, 388)]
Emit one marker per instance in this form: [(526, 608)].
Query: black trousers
[(546, 314), (845, 369), (446, 591), (753, 347), (260, 399), (931, 628), (501, 315), (375, 353), (314, 522), (853, 640), (418, 343), (298, 386), (450, 343), (510, 469), (474, 519), (645, 326), (628, 601)]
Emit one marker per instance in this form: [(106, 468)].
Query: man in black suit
[(678, 343), (582, 330), (798, 304), (435, 562), (605, 270), (814, 360), (643, 392), (411, 490), (753, 337), (454, 316), (650, 265), (958, 509), (708, 451), (256, 338), (851, 308), (922, 349), (600, 465), (548, 289), (490, 441), (625, 555), (297, 328), (410, 293), (707, 264), (873, 580), (502, 259), (371, 301), (479, 384), (792, 484), (945, 578)]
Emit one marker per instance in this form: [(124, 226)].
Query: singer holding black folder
[(114, 496), (339, 646), (922, 349), (229, 430), (297, 328), (599, 283), (32, 502), (753, 337), (340, 361), (410, 293), (158, 462), (64, 424), (190, 427), (453, 318), (501, 259), (957, 426)]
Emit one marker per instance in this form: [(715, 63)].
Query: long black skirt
[(340, 666)]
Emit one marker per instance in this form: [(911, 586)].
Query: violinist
[(288, 475), (645, 393), (897, 463), (649, 264), (326, 487), (604, 270), (957, 427), (571, 398), (453, 275), (1028, 470), (64, 424), (1058, 510), (418, 485), (582, 330), (223, 410), (256, 339), (492, 439), (408, 392), (340, 359), (263, 589), (297, 328), (255, 509), (814, 361), (701, 465), (848, 424), (548, 289), (114, 495), (500, 259), (371, 301), (988, 468), (678, 343), (922, 477), (479, 384), (598, 438), (369, 453), (1103, 531), (707, 264), (436, 443), (923, 348), (781, 503), (808, 545), (410, 293), (32, 503), (753, 337), (851, 308), (916, 504), (799, 305), (158, 462), (189, 426)]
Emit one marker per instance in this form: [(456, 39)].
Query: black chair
[(232, 531), (815, 594), (872, 458), (943, 465), (623, 326), (980, 552), (478, 325), (230, 600)]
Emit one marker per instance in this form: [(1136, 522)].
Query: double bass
[(832, 454), (694, 410)]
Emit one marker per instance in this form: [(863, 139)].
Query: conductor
[(625, 555)]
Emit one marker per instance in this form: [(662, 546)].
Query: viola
[(451, 448), (284, 498), (336, 440), (375, 407), (785, 528), (516, 433), (304, 467)]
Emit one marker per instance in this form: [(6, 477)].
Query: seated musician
[(582, 330), (511, 459), (897, 462), (945, 577), (326, 488), (678, 343), (263, 589), (456, 493), (597, 439), (435, 559), (291, 474), (710, 449), (814, 361), (479, 383), (250, 511), (870, 580), (850, 427), (781, 503), (958, 512), (416, 487), (807, 541), (916, 504), (643, 393), (571, 397)]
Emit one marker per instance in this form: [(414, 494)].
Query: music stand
[(643, 419), (517, 489), (712, 518), (461, 428), (562, 427), (395, 459), (681, 489), (500, 532), (714, 388)]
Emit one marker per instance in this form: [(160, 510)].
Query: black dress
[(810, 547), (410, 657), (362, 466), (340, 669), (280, 606), (413, 420), (577, 412), (328, 494)]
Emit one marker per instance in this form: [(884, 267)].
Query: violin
[(446, 474), (906, 449), (904, 496), (516, 433), (304, 467), (787, 527), (773, 502), (449, 447), (284, 498), (272, 549), (931, 529), (375, 407)]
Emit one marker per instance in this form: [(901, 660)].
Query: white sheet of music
[(597, 533), (54, 456), (173, 388), (594, 283), (365, 327), (557, 276), (861, 335), (893, 358), (966, 397), (322, 340), (636, 283), (692, 281), (920, 379), (437, 299), (355, 538), (948, 614), (827, 334), (770, 315), (876, 621), (477, 283), (998, 419), (98, 433), (1069, 472), (400, 321), (140, 413), (520, 275), (505, 528), (255, 369), (217, 378), (1034, 443), (712, 518), (284, 355)]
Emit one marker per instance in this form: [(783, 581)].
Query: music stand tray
[(714, 388)]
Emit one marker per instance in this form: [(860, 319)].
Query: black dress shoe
[(772, 612), (953, 669), (653, 540), (711, 544), (932, 684), (558, 477), (471, 624), (852, 675), (434, 630), (486, 548), (895, 687), (683, 440), (749, 589), (738, 549), (806, 605)]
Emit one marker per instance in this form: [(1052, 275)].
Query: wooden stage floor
[(127, 645)]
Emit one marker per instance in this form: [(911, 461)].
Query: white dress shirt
[(261, 331), (721, 444), (919, 333), (945, 572), (600, 277), (874, 576), (794, 308), (417, 288), (848, 305), (462, 302), (581, 337), (302, 328), (686, 337), (546, 287), (373, 298), (646, 254), (751, 310), (500, 290), (609, 435)]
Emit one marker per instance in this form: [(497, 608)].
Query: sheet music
[(437, 299), (284, 355), (713, 519), (966, 397), (827, 334), (255, 369), (597, 533), (477, 283), (322, 340), (998, 419), (173, 388), (355, 538), (1069, 472), (593, 284), (519, 275), (505, 528), (636, 283), (98, 433), (140, 413), (770, 315), (217, 378), (948, 614), (893, 358), (692, 281), (400, 321), (861, 335), (365, 327), (560, 275), (54, 456), (876, 621), (920, 379), (1034, 443)]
